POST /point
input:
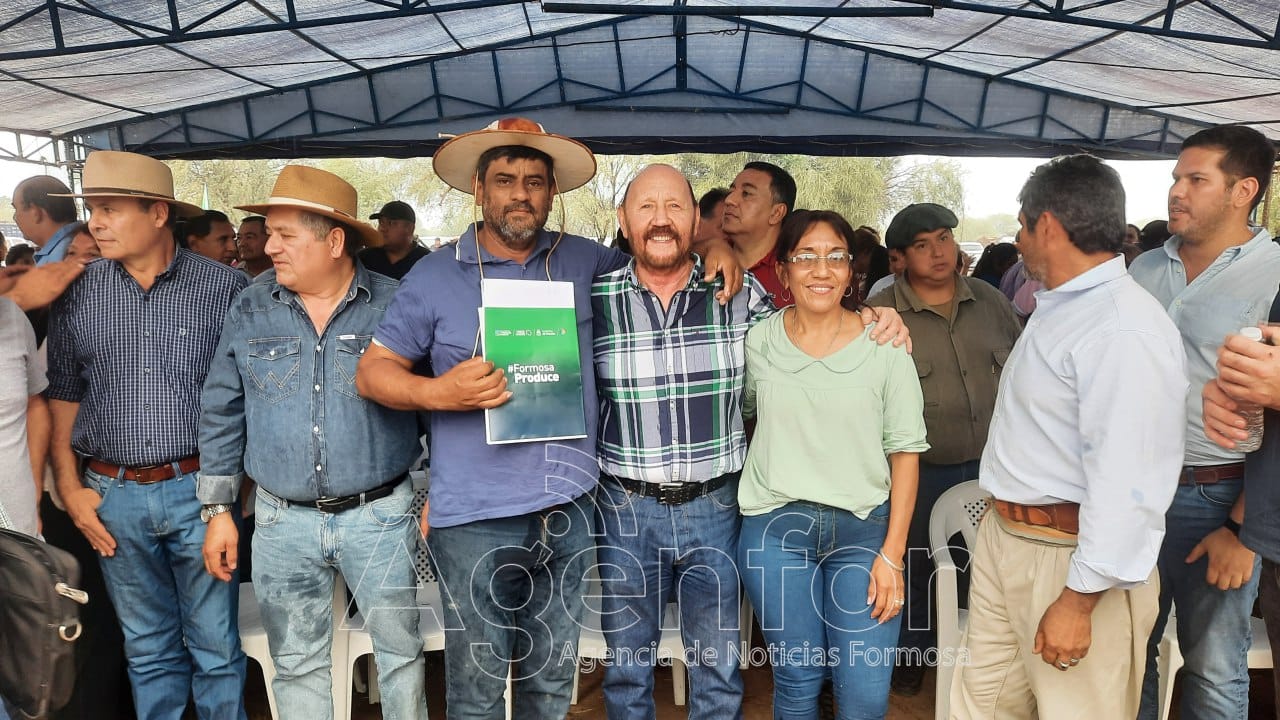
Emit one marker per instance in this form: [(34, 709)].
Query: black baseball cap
[(915, 219), (395, 210)]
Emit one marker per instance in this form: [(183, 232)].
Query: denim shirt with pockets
[(281, 404)]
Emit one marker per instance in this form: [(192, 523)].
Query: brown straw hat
[(323, 193), (455, 161), (112, 173)]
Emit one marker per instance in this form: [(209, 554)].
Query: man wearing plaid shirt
[(670, 363)]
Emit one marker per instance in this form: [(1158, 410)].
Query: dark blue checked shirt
[(136, 361)]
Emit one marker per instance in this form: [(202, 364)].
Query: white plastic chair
[(253, 641), (430, 628), (1170, 660), (592, 645), (958, 510)]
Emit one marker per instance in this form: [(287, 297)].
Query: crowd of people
[(774, 401)]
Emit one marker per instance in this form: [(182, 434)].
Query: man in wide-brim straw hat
[(129, 347), (510, 524), (332, 469)]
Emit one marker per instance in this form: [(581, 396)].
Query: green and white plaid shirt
[(670, 381)]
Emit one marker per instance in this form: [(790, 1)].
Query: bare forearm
[(66, 473), (904, 471), (38, 431), (389, 384)]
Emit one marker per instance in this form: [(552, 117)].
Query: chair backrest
[(421, 558), (958, 510)]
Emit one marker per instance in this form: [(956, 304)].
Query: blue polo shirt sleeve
[(609, 259), (408, 327)]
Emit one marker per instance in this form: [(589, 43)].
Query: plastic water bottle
[(1252, 414)]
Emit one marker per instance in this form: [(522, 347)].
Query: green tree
[(865, 190), (227, 182), (592, 210), (937, 181)]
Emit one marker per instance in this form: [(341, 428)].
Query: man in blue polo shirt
[(511, 523)]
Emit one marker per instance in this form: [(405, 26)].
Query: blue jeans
[(180, 631), (1213, 625), (806, 567), (649, 554), (296, 553), (512, 590), (919, 633)]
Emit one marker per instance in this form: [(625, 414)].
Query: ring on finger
[(1063, 665), (1075, 661)]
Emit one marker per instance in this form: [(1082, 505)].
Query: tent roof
[(282, 78)]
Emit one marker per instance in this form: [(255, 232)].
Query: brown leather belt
[(146, 475), (1210, 474), (1064, 517)]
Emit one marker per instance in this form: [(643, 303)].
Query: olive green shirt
[(959, 361), (824, 426)]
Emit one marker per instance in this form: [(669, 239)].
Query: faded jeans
[(650, 554), (1214, 626), (807, 569), (297, 552), (512, 590)]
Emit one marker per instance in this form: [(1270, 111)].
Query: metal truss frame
[(40, 148), (175, 32), (1164, 23), (318, 118)]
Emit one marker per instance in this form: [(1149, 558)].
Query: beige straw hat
[(112, 173), (320, 192), (455, 161)]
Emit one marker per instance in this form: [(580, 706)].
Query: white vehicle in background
[(973, 250)]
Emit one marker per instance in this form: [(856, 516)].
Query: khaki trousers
[(1015, 578)]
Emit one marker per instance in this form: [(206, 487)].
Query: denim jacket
[(281, 404)]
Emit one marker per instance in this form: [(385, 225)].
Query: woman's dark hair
[(996, 259), (799, 222), (1154, 234), (878, 268), (19, 253)]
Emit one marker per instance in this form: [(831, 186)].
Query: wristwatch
[(1232, 525), (209, 512)]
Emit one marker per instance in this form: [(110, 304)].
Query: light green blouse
[(824, 426)]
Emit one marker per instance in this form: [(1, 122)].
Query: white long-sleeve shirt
[(1091, 410)]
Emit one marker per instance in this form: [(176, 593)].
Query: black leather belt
[(338, 504), (674, 493)]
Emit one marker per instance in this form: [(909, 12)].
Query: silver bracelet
[(889, 562)]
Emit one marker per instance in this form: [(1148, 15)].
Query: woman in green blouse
[(829, 482)]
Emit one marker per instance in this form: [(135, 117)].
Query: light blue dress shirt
[(1090, 411), (56, 249), (1235, 291)]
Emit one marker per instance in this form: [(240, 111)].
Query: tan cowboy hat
[(455, 161), (320, 192), (112, 173)]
